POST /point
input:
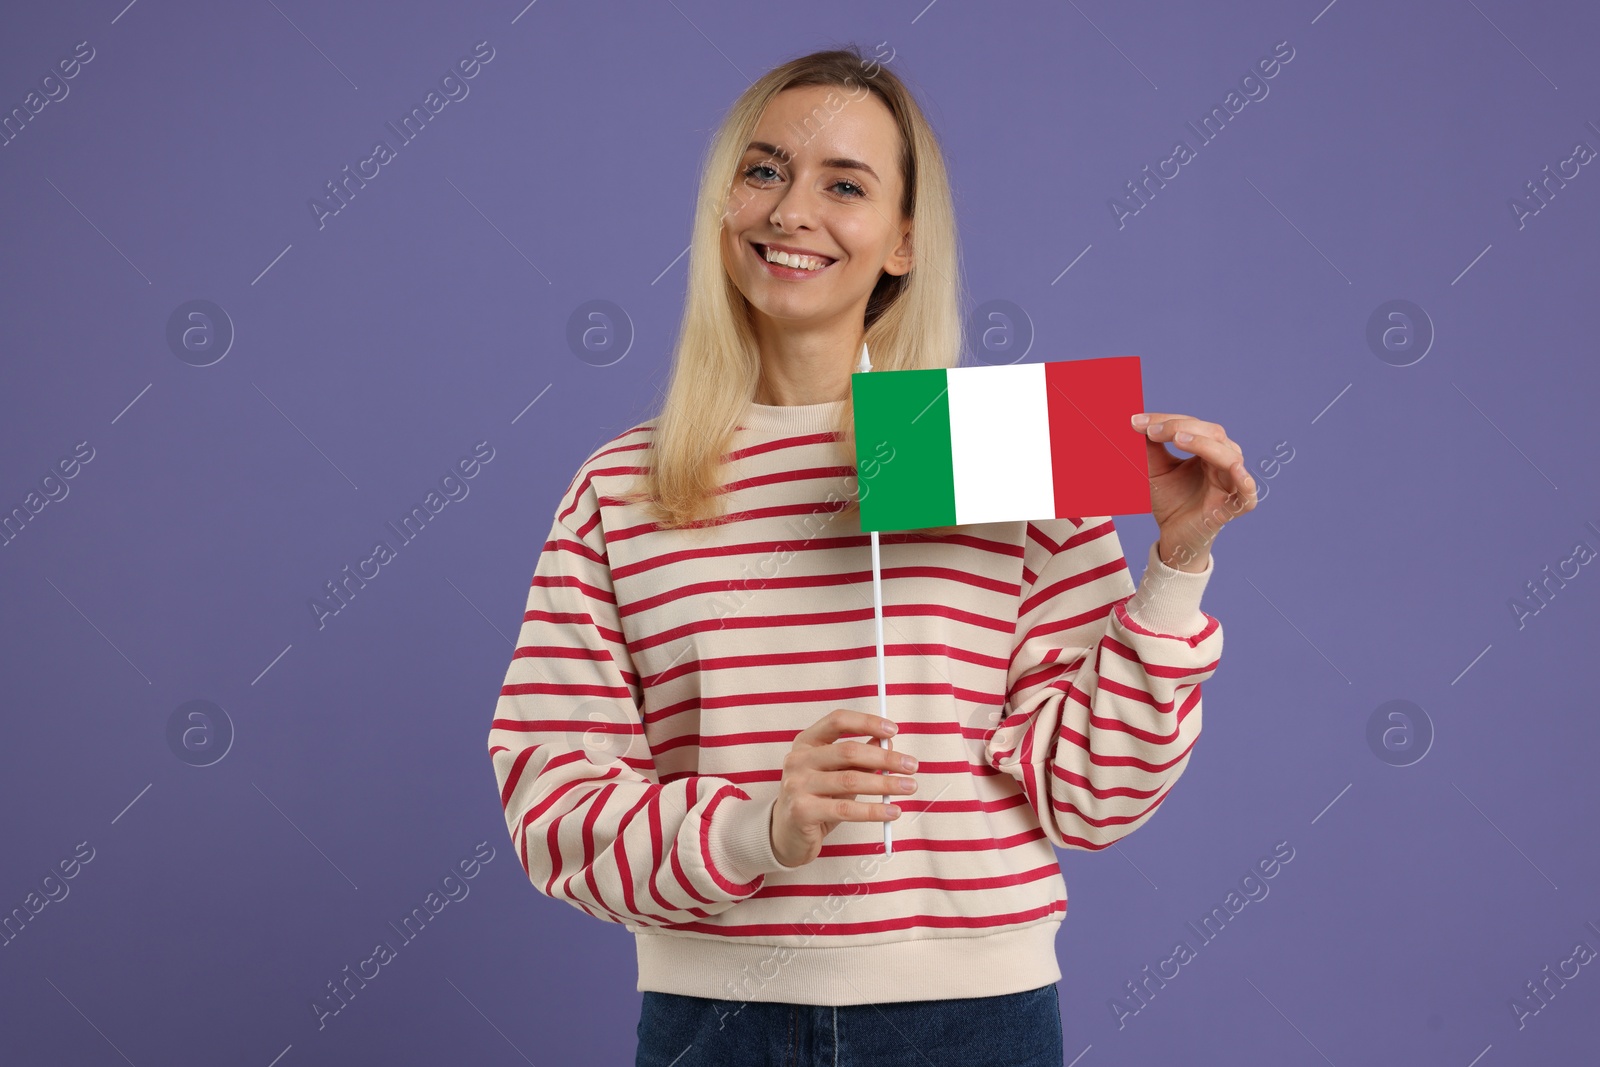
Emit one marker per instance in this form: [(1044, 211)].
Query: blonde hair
[(912, 320)]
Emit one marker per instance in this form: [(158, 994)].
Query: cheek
[(743, 209)]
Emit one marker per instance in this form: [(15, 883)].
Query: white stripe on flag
[(1000, 443)]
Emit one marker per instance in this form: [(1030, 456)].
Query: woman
[(673, 739)]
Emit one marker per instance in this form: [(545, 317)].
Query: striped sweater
[(660, 676)]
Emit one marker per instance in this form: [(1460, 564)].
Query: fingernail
[(892, 729), (1155, 427), (1184, 438), (1140, 420), (908, 763)]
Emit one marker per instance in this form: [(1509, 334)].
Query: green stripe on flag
[(902, 422)]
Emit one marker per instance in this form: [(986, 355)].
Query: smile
[(797, 267)]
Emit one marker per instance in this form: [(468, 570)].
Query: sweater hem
[(929, 968)]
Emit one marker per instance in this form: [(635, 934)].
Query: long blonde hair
[(912, 320)]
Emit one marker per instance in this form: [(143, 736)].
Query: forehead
[(829, 120)]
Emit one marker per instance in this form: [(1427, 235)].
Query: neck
[(806, 366)]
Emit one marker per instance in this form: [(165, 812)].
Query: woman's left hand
[(1192, 498)]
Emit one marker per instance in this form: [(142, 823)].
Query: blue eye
[(855, 189)]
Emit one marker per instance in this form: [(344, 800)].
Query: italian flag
[(962, 445)]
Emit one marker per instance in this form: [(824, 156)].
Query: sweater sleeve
[(587, 814), (1103, 687)]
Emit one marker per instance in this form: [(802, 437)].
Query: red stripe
[(1110, 820), (898, 885), (1098, 458), (624, 869), (1062, 585), (514, 775), (907, 922), (1100, 759), (684, 882), (1155, 670), (1127, 620), (733, 588), (723, 883), (580, 617)]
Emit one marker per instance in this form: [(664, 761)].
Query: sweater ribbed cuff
[(741, 838), (1168, 600)]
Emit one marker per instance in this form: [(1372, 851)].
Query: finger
[(850, 783), (816, 809), (845, 754), (1226, 462), (843, 722), (1162, 427)]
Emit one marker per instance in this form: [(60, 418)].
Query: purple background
[(371, 353)]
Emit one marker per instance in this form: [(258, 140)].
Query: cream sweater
[(660, 676)]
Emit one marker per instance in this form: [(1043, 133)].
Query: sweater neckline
[(792, 418)]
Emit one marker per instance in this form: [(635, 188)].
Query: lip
[(791, 249), (791, 273)]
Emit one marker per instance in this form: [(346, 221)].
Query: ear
[(901, 260)]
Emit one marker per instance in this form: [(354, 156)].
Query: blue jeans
[(1013, 1030)]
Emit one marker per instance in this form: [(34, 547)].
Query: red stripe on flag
[(1097, 457)]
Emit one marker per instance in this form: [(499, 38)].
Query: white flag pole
[(877, 618)]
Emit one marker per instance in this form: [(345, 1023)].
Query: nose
[(795, 210)]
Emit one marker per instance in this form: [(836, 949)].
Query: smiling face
[(819, 180)]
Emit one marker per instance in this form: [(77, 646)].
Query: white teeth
[(785, 259)]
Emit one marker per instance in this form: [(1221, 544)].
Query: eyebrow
[(835, 163)]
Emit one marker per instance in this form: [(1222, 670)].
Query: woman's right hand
[(822, 777)]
